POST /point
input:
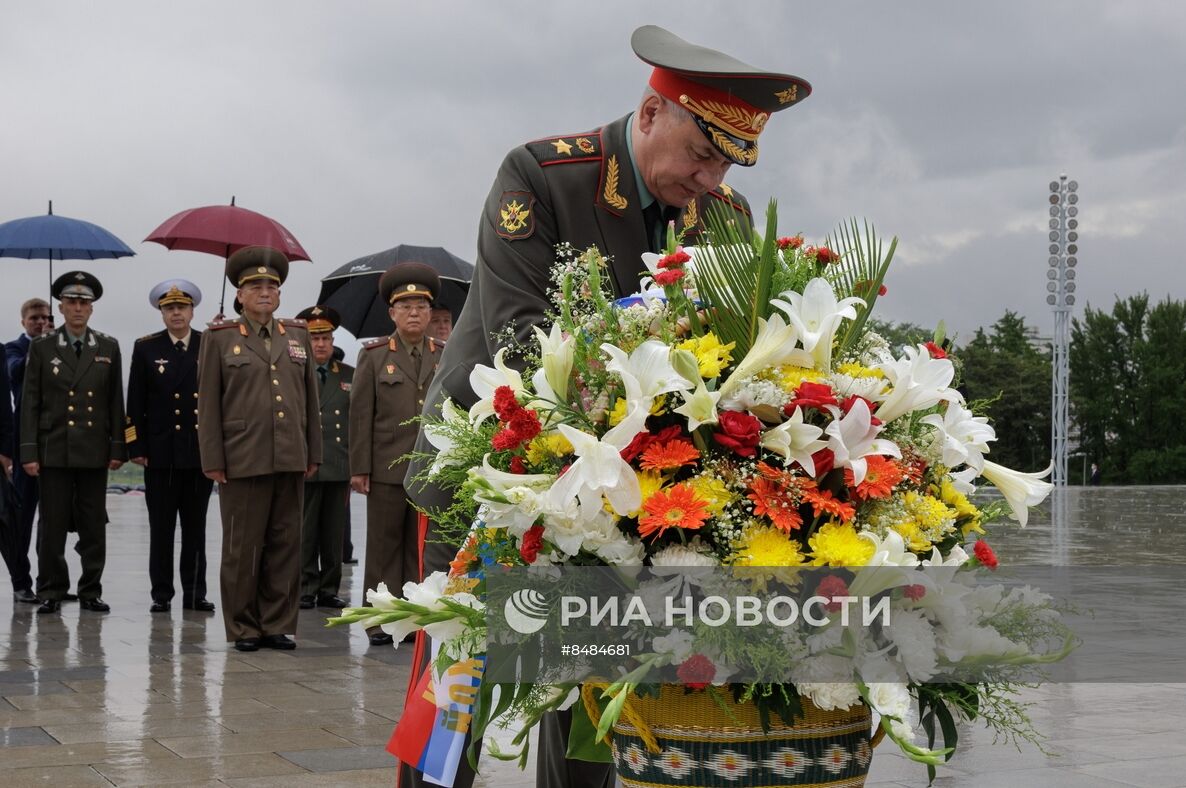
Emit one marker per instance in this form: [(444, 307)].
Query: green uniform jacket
[(257, 412), (578, 188), (72, 409), (386, 394), (334, 397)]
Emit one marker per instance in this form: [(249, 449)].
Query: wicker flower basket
[(687, 739)]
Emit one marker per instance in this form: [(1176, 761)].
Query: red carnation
[(824, 256), (984, 554), (517, 465), (830, 587), (846, 406), (811, 395), (914, 592), (643, 440), (696, 672), (505, 403), (882, 290), (790, 242), (935, 350), (739, 432), (665, 278), (674, 260), (525, 424), (505, 439), (532, 541)]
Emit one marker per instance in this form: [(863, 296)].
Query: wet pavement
[(131, 698)]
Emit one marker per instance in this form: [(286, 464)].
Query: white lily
[(816, 314), (854, 437), (700, 407), (774, 344), (484, 380), (646, 373), (599, 469), (965, 437), (438, 436), (962, 481), (1021, 490), (890, 550), (795, 441), (919, 382), (513, 500), (556, 352)]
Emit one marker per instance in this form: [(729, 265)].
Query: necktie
[(321, 374), (266, 336), (415, 351), (78, 348), (652, 217), (180, 346)]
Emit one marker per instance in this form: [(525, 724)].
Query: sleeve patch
[(516, 219)]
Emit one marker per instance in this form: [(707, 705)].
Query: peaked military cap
[(729, 100), (77, 284), (409, 280), (175, 291), (256, 262), (320, 319)]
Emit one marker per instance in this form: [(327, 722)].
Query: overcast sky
[(361, 125)]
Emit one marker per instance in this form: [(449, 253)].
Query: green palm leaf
[(860, 271)]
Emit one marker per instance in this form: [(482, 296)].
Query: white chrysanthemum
[(682, 555), (831, 695)]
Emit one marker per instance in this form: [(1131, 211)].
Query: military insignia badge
[(345, 385), (515, 219), (585, 145), (237, 350), (391, 369)]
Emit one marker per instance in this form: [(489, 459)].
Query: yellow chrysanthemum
[(837, 544), (967, 515), (713, 491), (710, 354), (619, 410), (649, 482), (933, 517), (788, 376), (765, 545), (548, 447), (855, 370), (915, 540)]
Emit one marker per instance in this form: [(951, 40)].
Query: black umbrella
[(353, 289)]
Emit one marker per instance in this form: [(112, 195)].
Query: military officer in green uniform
[(259, 436), (72, 434), (327, 492), (614, 187), (390, 383)]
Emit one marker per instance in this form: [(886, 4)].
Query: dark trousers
[(72, 499), (16, 546), (261, 545), (173, 494), (327, 514), (347, 543), (392, 555)]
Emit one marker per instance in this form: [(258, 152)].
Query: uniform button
[(176, 395), (177, 427), (337, 413), (90, 424), (337, 426), (275, 382), (71, 393), (195, 395), (90, 393), (280, 415), (195, 413), (70, 408), (420, 401), (279, 398), (176, 413), (70, 423), (338, 439), (273, 366), (89, 409)]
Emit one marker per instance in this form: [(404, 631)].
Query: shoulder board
[(726, 194), (292, 321), (219, 324), (376, 343), (569, 148), (100, 334), (147, 337), (435, 345)]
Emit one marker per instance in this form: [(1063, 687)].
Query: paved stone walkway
[(130, 698)]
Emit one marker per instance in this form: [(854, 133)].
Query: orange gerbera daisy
[(669, 454), (823, 501), (773, 501), (881, 475), (465, 557), (674, 507)]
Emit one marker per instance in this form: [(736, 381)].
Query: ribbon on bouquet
[(430, 736)]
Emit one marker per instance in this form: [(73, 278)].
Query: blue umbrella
[(52, 238)]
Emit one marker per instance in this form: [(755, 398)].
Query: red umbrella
[(222, 230)]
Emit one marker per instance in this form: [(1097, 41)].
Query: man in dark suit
[(615, 188), (36, 320), (392, 378), (162, 436), (72, 434), (259, 435), (327, 492)]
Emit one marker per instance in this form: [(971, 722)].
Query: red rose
[(739, 432), (824, 461), (830, 587), (790, 242), (811, 395), (696, 672), (846, 406), (665, 278), (643, 440), (532, 541), (935, 350), (505, 403), (984, 554), (914, 592), (824, 256)]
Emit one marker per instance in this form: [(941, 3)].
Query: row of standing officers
[(262, 406)]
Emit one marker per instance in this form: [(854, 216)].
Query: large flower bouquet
[(737, 413)]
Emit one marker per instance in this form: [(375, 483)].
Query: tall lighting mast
[(1060, 288)]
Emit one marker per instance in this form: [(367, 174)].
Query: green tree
[(1002, 367), (899, 335)]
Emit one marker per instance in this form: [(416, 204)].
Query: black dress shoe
[(349, 560), (201, 605), (247, 644), (50, 606), (27, 596), (282, 642), (95, 605), (332, 600), (307, 603), (381, 639), (159, 607)]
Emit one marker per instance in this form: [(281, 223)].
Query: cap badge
[(316, 310), (261, 270), (237, 350), (788, 95), (80, 276), (410, 288)]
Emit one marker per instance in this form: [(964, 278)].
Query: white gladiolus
[(1021, 490), (919, 382), (815, 315)]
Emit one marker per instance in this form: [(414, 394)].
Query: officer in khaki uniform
[(327, 492), (259, 436), (389, 386), (72, 434)]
